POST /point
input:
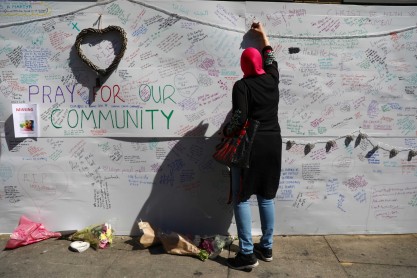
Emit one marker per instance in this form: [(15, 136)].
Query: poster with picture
[(25, 120)]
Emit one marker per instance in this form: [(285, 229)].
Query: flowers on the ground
[(177, 244), (202, 247), (106, 236), (213, 245), (99, 236)]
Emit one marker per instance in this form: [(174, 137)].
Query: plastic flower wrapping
[(28, 232), (99, 236), (178, 244)]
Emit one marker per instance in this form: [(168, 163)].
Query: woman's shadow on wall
[(190, 189), (251, 39)]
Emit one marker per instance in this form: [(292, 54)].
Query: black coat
[(263, 97)]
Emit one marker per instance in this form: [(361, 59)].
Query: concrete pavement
[(294, 256)]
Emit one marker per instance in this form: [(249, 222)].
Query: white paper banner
[(137, 144)]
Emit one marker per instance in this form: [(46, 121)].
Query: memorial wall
[(110, 112)]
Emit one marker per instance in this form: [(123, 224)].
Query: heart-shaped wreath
[(91, 31)]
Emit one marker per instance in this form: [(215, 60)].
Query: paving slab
[(165, 265), (303, 248), (155, 262), (379, 271), (296, 256), (293, 268), (52, 258), (398, 250)]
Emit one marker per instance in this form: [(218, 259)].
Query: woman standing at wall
[(257, 95)]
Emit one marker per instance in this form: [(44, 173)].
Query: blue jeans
[(242, 211)]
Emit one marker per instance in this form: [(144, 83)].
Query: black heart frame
[(91, 31)]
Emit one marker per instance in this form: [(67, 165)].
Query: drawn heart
[(97, 34), (186, 84), (43, 184)]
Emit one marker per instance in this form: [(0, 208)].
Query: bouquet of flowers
[(177, 244), (174, 243), (99, 236), (214, 244)]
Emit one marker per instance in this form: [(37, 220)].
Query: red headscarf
[(251, 62)]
